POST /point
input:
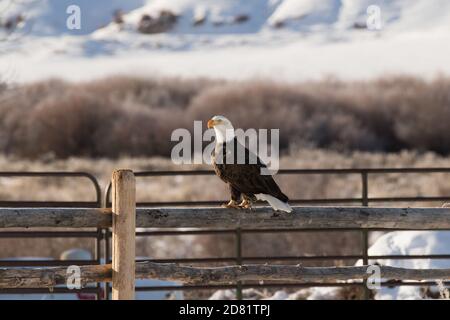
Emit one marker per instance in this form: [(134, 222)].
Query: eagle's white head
[(222, 127)]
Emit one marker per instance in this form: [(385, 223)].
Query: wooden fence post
[(123, 234)]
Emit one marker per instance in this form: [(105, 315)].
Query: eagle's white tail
[(275, 203)]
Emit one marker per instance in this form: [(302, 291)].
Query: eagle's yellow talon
[(232, 204), (245, 204)]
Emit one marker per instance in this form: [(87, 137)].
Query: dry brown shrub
[(71, 124), (150, 93), (120, 116)]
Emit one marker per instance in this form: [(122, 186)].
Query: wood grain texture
[(215, 217), (55, 218), (301, 217), (220, 275), (49, 277), (123, 234), (33, 277)]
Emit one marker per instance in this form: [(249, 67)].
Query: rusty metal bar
[(108, 259), (365, 233), (48, 234), (292, 258), (46, 204), (303, 171), (55, 290), (292, 171), (238, 261), (58, 174), (244, 231), (297, 258), (45, 263), (297, 201)]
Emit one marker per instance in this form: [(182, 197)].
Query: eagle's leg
[(246, 202), (231, 204), (235, 197)]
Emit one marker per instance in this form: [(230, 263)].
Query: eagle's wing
[(247, 178)]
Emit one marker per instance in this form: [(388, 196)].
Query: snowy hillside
[(296, 39), (48, 17)]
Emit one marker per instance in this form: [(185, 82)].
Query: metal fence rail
[(96, 235)]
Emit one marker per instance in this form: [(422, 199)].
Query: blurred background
[(95, 85)]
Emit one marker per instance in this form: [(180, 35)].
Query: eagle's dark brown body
[(244, 179)]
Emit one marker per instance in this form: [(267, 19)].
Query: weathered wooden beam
[(301, 217), (49, 277), (213, 217), (55, 217), (123, 234), (260, 272), (32, 277)]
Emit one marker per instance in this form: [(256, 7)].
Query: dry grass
[(126, 116)]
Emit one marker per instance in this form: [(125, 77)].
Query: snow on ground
[(403, 243), (417, 54), (292, 39), (411, 243)]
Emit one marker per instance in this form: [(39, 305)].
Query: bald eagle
[(244, 178)]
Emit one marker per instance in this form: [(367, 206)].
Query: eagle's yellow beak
[(211, 123)]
